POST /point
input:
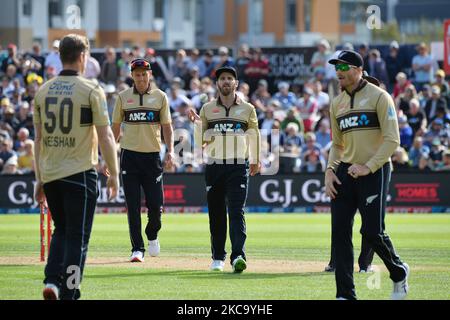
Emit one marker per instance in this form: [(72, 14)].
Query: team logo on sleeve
[(391, 113)]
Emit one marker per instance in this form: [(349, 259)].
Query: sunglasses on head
[(140, 64), (343, 67)]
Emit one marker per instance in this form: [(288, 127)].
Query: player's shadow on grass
[(188, 274)]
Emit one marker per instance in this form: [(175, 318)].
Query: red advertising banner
[(447, 46)]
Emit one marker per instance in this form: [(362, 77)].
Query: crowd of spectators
[(294, 120)]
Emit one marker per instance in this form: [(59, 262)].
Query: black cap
[(226, 69), (349, 57)]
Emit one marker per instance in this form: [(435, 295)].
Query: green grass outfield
[(286, 256)]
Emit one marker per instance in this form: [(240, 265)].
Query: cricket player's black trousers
[(368, 194), (72, 202), (142, 170), (226, 186), (365, 257)]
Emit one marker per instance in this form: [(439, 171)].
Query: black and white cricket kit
[(232, 138), (67, 108), (141, 116), (365, 131)]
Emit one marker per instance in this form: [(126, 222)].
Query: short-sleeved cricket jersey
[(230, 133), (67, 108), (141, 116), (364, 125)]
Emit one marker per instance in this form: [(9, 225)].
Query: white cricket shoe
[(50, 292), (217, 265), (153, 248), (137, 256), (341, 298), (239, 264), (401, 288)]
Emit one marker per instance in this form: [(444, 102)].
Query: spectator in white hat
[(53, 60)]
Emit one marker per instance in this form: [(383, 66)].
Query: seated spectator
[(377, 67), (110, 71), (321, 97), (416, 118), (285, 97), (179, 67), (206, 93), (323, 135), (406, 132), (267, 120), (26, 159), (11, 59), (11, 167), (442, 113), (224, 60), (320, 57), (436, 130), (313, 162), (9, 117), (401, 84), (293, 117), (308, 108), (443, 85), (291, 141), (176, 95), (444, 165), (403, 99), (243, 91), (194, 88), (310, 144), (425, 164), (256, 69), (207, 65), (194, 61), (400, 160), (424, 96), (417, 151), (93, 69), (436, 151), (261, 97), (19, 144), (242, 59), (433, 103), (53, 61)]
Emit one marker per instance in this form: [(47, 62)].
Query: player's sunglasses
[(343, 67), (140, 64)]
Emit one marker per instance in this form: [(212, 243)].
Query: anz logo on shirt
[(358, 121), (227, 127), (141, 116)]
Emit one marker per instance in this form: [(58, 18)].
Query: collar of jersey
[(69, 72), (361, 85), (219, 101), (137, 92)]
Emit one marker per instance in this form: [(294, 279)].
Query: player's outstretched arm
[(109, 152), (38, 189)]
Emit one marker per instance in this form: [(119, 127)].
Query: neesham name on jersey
[(59, 142)]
